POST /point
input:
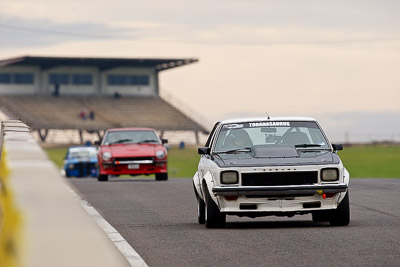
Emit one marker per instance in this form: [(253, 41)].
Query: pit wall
[(41, 221)]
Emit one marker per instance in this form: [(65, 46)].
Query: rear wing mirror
[(164, 141)]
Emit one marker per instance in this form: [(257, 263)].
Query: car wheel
[(201, 210), (102, 177), (213, 217), (201, 207), (161, 176), (341, 216)]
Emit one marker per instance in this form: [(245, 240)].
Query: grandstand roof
[(49, 112), (102, 63)]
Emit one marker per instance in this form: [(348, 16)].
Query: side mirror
[(337, 147), (97, 143), (203, 150), (164, 141)]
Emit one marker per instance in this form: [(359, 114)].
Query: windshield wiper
[(313, 147), (243, 149), (121, 141), (148, 141), (307, 145)]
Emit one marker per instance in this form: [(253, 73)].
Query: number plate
[(133, 166)]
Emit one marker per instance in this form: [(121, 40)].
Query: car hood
[(276, 158), (133, 150)]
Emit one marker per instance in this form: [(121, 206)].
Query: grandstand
[(49, 94)]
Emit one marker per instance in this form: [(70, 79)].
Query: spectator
[(92, 115), (117, 95), (82, 114), (56, 92)]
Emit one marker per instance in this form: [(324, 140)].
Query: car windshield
[(301, 135), (122, 137), (84, 152)]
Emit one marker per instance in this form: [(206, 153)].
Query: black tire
[(213, 217), (161, 176), (201, 211), (102, 177), (341, 216)]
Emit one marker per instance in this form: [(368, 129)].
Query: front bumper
[(256, 201), (141, 168), (288, 190)]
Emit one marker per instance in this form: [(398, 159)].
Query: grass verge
[(372, 161)]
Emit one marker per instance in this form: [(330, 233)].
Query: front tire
[(341, 216), (213, 217), (102, 177), (161, 176), (201, 210)]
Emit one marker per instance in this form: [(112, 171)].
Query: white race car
[(279, 166)]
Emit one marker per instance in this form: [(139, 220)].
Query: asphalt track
[(158, 219)]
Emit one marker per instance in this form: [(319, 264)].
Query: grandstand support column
[(197, 137), (81, 135), (43, 134), (99, 135)]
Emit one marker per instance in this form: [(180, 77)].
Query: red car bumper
[(112, 168)]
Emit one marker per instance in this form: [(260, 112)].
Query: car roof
[(256, 119), (130, 129)]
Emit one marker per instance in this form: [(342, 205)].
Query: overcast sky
[(286, 57)]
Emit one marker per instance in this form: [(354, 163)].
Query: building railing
[(184, 107)]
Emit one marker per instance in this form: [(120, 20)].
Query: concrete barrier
[(42, 223)]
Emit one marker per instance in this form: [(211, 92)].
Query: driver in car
[(238, 138)]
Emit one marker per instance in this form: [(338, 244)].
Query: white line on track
[(130, 254)]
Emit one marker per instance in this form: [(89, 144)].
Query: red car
[(132, 151)]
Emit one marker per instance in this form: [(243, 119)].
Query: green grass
[(369, 161), (372, 161), (183, 162), (57, 155)]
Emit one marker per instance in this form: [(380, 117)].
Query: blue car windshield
[(300, 135), (78, 153)]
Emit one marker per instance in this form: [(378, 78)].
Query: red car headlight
[(160, 154), (106, 156)]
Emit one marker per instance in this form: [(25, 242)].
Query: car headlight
[(229, 177), (160, 154), (329, 175), (71, 166), (106, 156)]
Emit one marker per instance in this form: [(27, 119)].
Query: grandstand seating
[(49, 112)]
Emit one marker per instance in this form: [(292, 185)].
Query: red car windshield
[(136, 137)]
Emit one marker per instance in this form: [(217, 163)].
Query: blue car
[(81, 161)]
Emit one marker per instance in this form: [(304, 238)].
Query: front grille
[(279, 178), (133, 158), (84, 168)]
